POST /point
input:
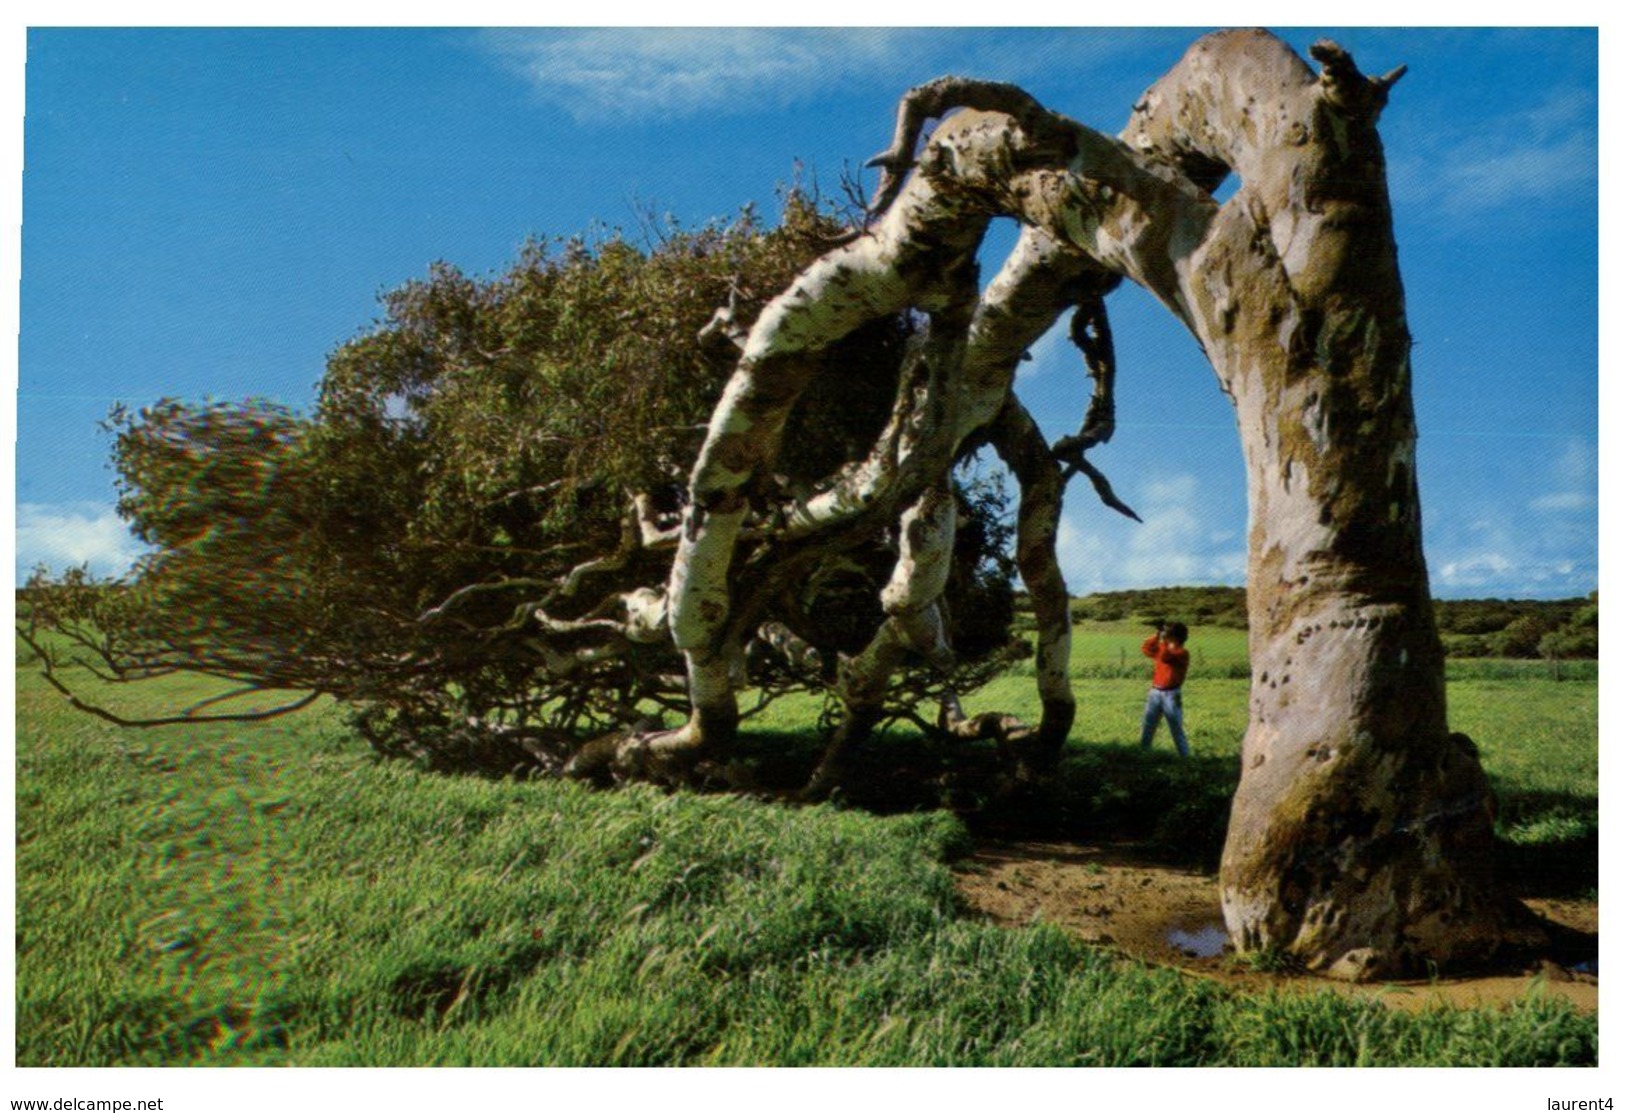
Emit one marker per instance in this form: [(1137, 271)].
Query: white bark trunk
[(1020, 444), (1360, 837), (1360, 831)]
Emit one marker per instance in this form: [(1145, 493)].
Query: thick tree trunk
[(1360, 837)]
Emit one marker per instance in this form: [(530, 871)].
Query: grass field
[(274, 895)]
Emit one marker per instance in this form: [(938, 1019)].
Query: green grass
[(1112, 650), (1534, 722), (271, 894), (1535, 727)]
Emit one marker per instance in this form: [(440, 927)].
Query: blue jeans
[(1165, 703)]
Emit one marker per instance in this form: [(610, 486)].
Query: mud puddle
[(1121, 897)]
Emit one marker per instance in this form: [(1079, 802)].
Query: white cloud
[(1502, 551), (1185, 539), (616, 73), (1477, 570), (1577, 463), (66, 535), (1535, 155), (1573, 473), (610, 73), (1563, 500), (1540, 168), (1497, 574), (1054, 352)]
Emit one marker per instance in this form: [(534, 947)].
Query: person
[(1167, 649)]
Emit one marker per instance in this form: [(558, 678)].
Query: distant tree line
[(1530, 628), (1519, 627), (1195, 606)]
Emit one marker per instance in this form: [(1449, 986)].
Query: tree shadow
[(1174, 809), (1546, 843), (1159, 809)]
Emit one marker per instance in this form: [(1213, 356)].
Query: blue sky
[(211, 212)]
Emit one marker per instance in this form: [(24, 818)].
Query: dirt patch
[(1123, 898)]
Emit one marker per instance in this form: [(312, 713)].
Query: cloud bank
[(624, 74), (1544, 151), (1540, 543), (67, 535), (1186, 539), (1545, 545)]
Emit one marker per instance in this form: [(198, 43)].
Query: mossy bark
[(1360, 836)]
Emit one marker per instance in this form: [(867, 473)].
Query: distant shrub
[(1521, 638), (1206, 606), (1569, 642), (1466, 645), (1519, 628)]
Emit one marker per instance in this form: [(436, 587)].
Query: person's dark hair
[(1177, 633)]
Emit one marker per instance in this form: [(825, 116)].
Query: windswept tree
[(1360, 835), (465, 541)]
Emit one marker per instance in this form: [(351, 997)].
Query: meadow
[(272, 894)]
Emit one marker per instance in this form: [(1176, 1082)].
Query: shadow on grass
[(1546, 842), (1176, 808)]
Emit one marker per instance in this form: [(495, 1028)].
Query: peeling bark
[(1017, 440), (1359, 837)]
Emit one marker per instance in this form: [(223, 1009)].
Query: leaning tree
[(1360, 836), (464, 542), (544, 555)]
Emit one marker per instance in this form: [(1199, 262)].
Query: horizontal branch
[(189, 716), (470, 590)]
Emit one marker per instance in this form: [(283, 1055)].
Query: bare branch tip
[(1328, 52), (890, 160), (1391, 78)]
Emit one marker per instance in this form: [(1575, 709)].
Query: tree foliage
[(1555, 628), (490, 473), (1548, 628), (1206, 606)]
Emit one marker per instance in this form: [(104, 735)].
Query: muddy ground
[(1123, 898)]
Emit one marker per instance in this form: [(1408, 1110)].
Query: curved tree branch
[(48, 670)]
